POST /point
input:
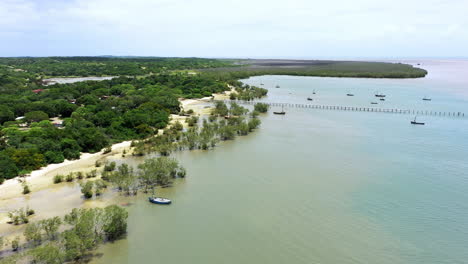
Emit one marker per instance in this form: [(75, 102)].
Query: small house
[(37, 91)]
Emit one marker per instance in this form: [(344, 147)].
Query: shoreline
[(49, 199), (34, 177), (195, 104)]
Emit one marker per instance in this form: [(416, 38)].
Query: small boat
[(261, 84), (277, 86), (309, 99), (414, 122), (159, 200), (280, 113), (313, 92), (382, 99), (426, 99), (349, 94), (378, 94), (373, 102)]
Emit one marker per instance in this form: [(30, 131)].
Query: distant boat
[(349, 94), (280, 113), (373, 102), (426, 99), (378, 94), (277, 86), (313, 92), (414, 122), (382, 99), (261, 84), (309, 99), (159, 200)]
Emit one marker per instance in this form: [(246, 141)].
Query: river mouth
[(317, 186)]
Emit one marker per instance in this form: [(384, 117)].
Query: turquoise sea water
[(318, 186)]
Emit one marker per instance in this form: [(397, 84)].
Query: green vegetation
[(158, 171), (123, 178), (25, 186), (109, 166), (355, 69), (20, 216), (108, 66), (246, 92), (90, 116), (225, 123), (58, 179), (84, 230), (261, 107), (94, 114), (87, 189), (15, 243), (69, 177)]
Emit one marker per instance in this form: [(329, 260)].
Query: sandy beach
[(49, 199)]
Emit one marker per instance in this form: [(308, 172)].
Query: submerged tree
[(158, 171), (124, 179)]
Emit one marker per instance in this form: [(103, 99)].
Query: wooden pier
[(356, 109)]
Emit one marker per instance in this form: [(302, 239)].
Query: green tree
[(35, 116), (54, 157), (261, 107), (157, 171), (87, 189), (32, 233), (50, 226), (9, 169), (115, 222), (15, 243), (124, 178), (48, 254), (6, 114), (26, 188)]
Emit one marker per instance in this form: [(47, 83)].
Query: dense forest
[(107, 66), (88, 116), (355, 69)]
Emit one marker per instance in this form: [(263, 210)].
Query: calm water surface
[(318, 186)]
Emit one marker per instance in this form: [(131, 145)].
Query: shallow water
[(63, 80), (318, 186)]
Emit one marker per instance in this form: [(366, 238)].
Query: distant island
[(323, 68)]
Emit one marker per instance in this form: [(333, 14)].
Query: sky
[(241, 28)]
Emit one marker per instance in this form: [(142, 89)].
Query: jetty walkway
[(355, 108)]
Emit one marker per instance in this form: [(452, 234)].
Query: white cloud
[(233, 28)]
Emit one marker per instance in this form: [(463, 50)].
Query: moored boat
[(280, 113), (426, 99), (309, 99), (159, 200), (414, 122), (378, 94)]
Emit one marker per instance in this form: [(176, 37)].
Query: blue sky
[(241, 28)]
